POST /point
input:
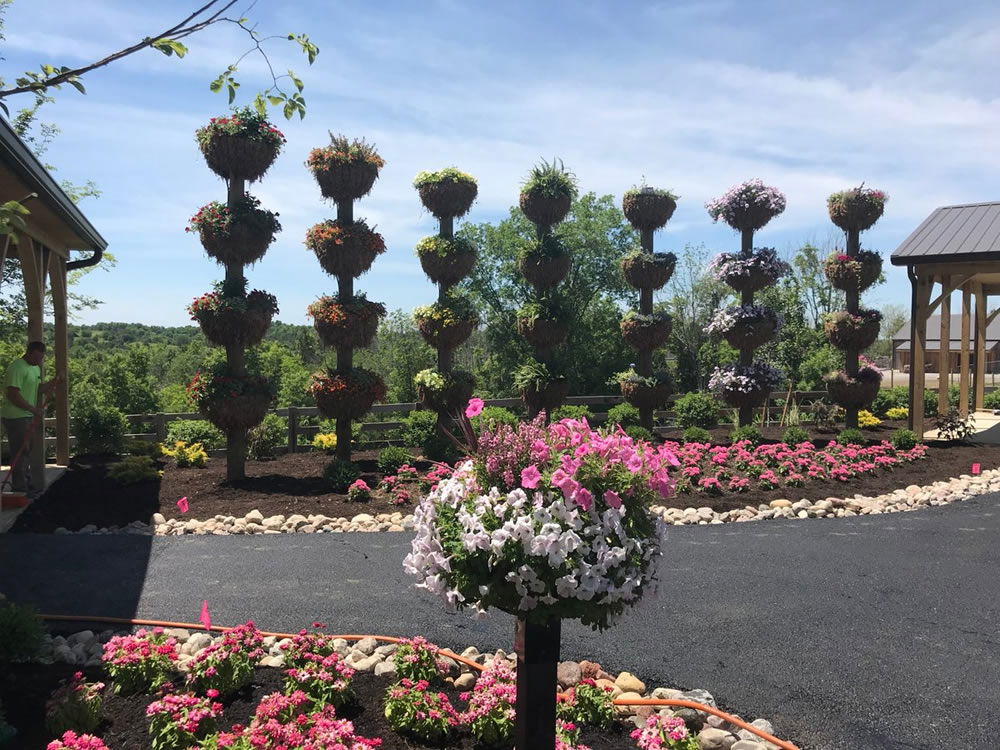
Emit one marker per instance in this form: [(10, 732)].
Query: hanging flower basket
[(545, 210), (645, 393), (544, 262), (234, 321), (849, 273), (346, 169), (346, 395), (351, 324), (444, 392), (345, 250), (646, 332), (749, 273), (239, 234), (858, 392), (748, 206), (240, 147), (647, 208), (547, 194), (857, 209), (745, 385), (648, 270), (543, 333), (546, 396), (447, 193), (446, 260), (852, 332), (233, 403), (744, 326), (445, 325)]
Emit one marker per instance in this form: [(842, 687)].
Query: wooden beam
[(944, 348), (963, 368), (948, 285), (920, 297), (980, 379), (57, 273), (34, 284)]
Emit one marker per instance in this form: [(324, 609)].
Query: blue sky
[(694, 96)]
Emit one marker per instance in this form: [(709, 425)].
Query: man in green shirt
[(22, 388)]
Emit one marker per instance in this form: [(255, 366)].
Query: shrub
[(491, 416), (992, 399), (359, 491), (188, 455), (325, 441), (852, 436), (134, 469), (21, 632), (930, 403), (340, 474), (897, 412), (418, 659), (391, 458), (637, 432), (227, 665), (890, 398), (953, 426), (195, 431), (420, 431), (747, 432), (572, 411), (74, 706), (145, 448), (623, 414), (824, 414), (867, 420), (814, 367), (264, 439), (181, 720), (99, 429), (142, 662), (426, 715), (588, 704), (696, 435), (903, 440), (794, 436), (697, 410)]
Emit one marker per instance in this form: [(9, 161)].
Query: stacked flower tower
[(345, 248), (647, 209), (447, 194), (853, 330), (746, 208), (239, 149), (545, 199)]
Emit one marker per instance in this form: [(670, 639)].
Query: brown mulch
[(293, 483), (24, 689)]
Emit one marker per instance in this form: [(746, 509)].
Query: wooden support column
[(31, 255), (57, 273), (921, 296), (944, 347), (980, 379), (963, 367)]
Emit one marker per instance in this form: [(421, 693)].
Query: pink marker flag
[(183, 504), (975, 468), (205, 618)]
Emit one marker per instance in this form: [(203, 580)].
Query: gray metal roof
[(954, 234), (18, 157), (901, 338)]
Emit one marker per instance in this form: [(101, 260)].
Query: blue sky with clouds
[(695, 96)]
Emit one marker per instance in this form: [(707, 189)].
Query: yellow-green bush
[(187, 455), (132, 469), (866, 419), (897, 412), (325, 441)]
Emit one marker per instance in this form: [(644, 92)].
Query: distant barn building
[(901, 348)]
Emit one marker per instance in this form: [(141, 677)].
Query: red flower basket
[(353, 324), (853, 273), (346, 395), (854, 332), (345, 249), (237, 157)]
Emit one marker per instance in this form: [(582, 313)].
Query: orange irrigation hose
[(450, 654)]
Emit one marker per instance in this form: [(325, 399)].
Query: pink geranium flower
[(474, 408)]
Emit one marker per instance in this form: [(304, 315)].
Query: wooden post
[(57, 273), (160, 426), (31, 254), (963, 369), (921, 295), (345, 354), (645, 367), (293, 429), (944, 349), (980, 378), (537, 649), (236, 440)]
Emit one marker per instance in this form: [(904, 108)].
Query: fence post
[(160, 427), (293, 429)]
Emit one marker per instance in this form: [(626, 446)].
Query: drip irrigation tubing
[(678, 702)]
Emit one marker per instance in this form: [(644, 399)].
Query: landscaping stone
[(465, 681), (628, 710), (385, 668), (629, 683), (568, 674), (710, 738), (747, 745), (694, 720)]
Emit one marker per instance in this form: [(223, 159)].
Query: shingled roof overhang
[(968, 233)]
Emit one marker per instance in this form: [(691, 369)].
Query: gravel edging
[(912, 497), (85, 648)]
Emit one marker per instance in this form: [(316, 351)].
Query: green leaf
[(169, 47), (232, 92), (75, 83), (260, 105)]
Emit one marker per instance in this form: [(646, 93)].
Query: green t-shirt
[(26, 378)]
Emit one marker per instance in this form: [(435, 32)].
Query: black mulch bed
[(294, 483), (25, 688)]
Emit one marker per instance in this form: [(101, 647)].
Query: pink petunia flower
[(530, 477), (474, 408)]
